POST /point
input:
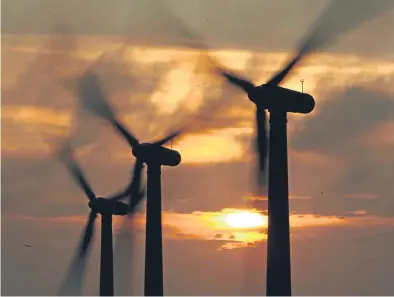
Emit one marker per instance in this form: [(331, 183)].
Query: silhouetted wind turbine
[(73, 282), (155, 156), (279, 101)]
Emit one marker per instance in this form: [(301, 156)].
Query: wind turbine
[(279, 101), (152, 154), (72, 285)]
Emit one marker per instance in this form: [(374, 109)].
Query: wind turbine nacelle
[(278, 98), (105, 206), (120, 208), (155, 154)]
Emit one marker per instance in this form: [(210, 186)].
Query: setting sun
[(245, 219)]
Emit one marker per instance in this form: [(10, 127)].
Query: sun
[(245, 219)]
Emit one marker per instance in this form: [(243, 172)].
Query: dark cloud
[(49, 80), (339, 129), (370, 173), (254, 25), (44, 80), (342, 119)]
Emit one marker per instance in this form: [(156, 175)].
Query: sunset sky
[(340, 155)]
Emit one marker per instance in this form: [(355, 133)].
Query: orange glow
[(236, 228), (309, 220), (32, 115), (209, 148), (227, 225), (245, 219)]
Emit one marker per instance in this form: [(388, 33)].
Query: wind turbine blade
[(66, 157), (121, 195), (168, 138), (338, 18), (136, 194), (136, 200), (73, 283), (93, 98), (278, 78), (133, 189), (88, 235), (245, 85), (190, 37), (194, 40), (124, 240), (132, 141), (261, 145)]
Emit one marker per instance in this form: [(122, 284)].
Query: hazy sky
[(340, 155)]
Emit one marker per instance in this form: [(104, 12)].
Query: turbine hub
[(254, 95)]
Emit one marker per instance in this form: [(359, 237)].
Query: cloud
[(47, 82), (346, 129), (136, 88), (254, 25), (133, 87), (205, 226), (369, 174), (44, 74), (342, 120)]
